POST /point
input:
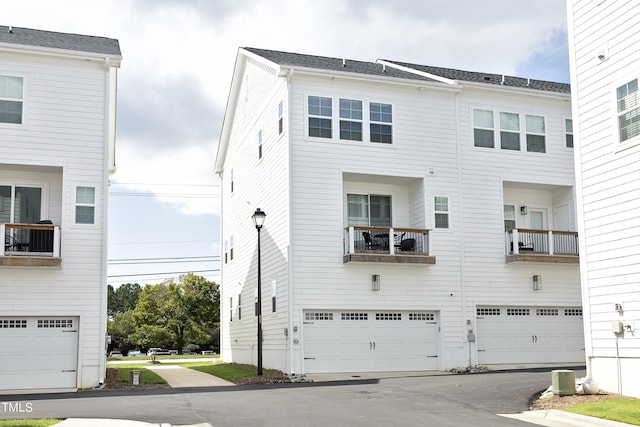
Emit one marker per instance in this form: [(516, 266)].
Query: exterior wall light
[(375, 282), (537, 282)]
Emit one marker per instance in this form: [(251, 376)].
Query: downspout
[(289, 252), (105, 222)]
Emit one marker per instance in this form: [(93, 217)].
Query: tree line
[(174, 315)]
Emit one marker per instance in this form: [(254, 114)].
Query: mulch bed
[(113, 382)]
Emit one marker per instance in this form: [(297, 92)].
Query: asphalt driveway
[(449, 400)]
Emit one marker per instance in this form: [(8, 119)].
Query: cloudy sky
[(176, 72)]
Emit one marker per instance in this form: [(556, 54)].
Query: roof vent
[(344, 62), (10, 30), (502, 80), (384, 68), (487, 78)]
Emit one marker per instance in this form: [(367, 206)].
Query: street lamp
[(258, 220)]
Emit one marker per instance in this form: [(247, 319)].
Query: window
[(260, 144), (628, 110), (85, 205), (226, 248), (11, 99), (231, 309), (231, 180), (535, 134), (509, 217), (568, 132), (274, 294), (231, 248), (280, 118), (320, 114), (371, 210), (19, 204), (350, 120), (380, 122), (483, 128), (239, 306), (510, 131), (441, 209)]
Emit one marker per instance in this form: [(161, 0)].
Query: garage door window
[(12, 323), (388, 316), (422, 316), (318, 316), (55, 323), (354, 316), (517, 311), (546, 312), (573, 312), (488, 312)]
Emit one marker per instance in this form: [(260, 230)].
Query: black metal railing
[(41, 239), (541, 242), (386, 240)]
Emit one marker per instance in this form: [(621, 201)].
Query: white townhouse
[(605, 69), (57, 133), (417, 218)]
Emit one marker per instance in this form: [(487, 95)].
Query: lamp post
[(258, 220)]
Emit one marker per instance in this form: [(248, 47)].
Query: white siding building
[(418, 218), (605, 70), (57, 133)]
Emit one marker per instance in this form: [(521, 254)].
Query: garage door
[(530, 335), (38, 352), (369, 341)]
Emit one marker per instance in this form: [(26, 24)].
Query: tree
[(179, 314), (122, 298), (119, 328)]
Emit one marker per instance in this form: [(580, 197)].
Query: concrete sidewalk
[(179, 377), (98, 422)]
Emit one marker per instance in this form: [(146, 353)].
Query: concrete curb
[(557, 418)]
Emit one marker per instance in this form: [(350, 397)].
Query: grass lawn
[(621, 410), (147, 375), (227, 371), (28, 423)]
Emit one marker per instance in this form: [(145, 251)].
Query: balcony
[(559, 247), (387, 245), (30, 245)]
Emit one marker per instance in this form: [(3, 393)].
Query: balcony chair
[(369, 242), (408, 245)]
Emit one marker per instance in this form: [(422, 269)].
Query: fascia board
[(114, 60), (516, 90)]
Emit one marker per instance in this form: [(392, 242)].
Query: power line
[(165, 185), (161, 274), (143, 260)]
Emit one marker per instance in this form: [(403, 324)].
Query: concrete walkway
[(179, 377)]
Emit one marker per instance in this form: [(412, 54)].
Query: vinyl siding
[(608, 180), (61, 144)]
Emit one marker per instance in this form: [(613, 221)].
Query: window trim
[(22, 101), (441, 212), (634, 140), (336, 119), (566, 132), (93, 205)]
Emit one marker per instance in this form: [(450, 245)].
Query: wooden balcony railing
[(30, 240), (385, 244), (541, 242)]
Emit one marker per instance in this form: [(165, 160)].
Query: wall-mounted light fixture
[(523, 210), (537, 282), (375, 282)]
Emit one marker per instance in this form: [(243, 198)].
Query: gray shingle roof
[(494, 79), (371, 68), (333, 64), (49, 39)]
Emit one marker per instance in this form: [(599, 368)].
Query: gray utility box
[(563, 383), (135, 377)]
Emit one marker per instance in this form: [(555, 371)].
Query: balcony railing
[(30, 241), (384, 244), (523, 242)]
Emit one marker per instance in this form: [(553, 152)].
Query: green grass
[(621, 410), (147, 375), (29, 423), (227, 371)]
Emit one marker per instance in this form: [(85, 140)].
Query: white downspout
[(289, 266)]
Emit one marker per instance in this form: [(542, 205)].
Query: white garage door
[(369, 341), (530, 335), (38, 352)]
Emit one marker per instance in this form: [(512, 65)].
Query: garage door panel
[(38, 353), (529, 335), (362, 341)]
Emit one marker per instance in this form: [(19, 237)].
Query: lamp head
[(258, 218)]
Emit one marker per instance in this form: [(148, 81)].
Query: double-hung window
[(628, 110), (11, 99), (535, 134), (369, 210), (568, 132), (483, 134), (351, 119), (441, 210), (320, 116), (510, 131), (380, 126), (85, 205), (509, 217), (260, 144), (280, 118)]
